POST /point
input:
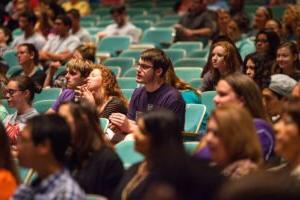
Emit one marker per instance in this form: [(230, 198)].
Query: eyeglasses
[(10, 92), (144, 67)]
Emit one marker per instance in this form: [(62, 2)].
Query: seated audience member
[(85, 51), (275, 26), (8, 170), (288, 136), (14, 10), (258, 69), (81, 5), (289, 20), (91, 161), (237, 8), (42, 147), (276, 93), (240, 90), (27, 22), (296, 90), (221, 38), (262, 15), (103, 92), (19, 93), (77, 30), (287, 60), (235, 149), (77, 72), (188, 93), (197, 22), (223, 18), (156, 93), (266, 43), (223, 60), (158, 137), (61, 46), (28, 58), (121, 27), (5, 39), (44, 24), (236, 29)]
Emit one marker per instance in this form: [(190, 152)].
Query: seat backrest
[(13, 70), (196, 82), (198, 53), (113, 44), (47, 94), (43, 106), (10, 57), (127, 93), (152, 18), (127, 153), (207, 98), (123, 62), (143, 24), (194, 114), (188, 73), (9, 109), (175, 54), (130, 73), (131, 53), (103, 124), (191, 62), (127, 83), (160, 37), (188, 46), (95, 197), (116, 70), (104, 23)]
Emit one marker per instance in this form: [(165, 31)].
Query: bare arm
[(121, 122), (53, 66)]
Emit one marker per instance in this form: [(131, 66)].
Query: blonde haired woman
[(234, 148)]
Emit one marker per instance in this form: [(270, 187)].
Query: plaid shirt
[(58, 186)]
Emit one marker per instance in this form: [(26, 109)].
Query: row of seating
[(165, 10)]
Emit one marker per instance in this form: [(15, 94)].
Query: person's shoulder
[(170, 90), (83, 31), (138, 91), (73, 38), (106, 153), (37, 35), (69, 188), (67, 91), (7, 179)]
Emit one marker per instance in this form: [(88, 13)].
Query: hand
[(120, 121), (84, 93), (178, 26), (53, 66), (188, 32), (43, 55), (240, 168)]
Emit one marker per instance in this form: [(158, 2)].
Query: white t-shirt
[(57, 44), (83, 35), (127, 30), (36, 39)]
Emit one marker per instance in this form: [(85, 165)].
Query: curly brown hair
[(110, 84)]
